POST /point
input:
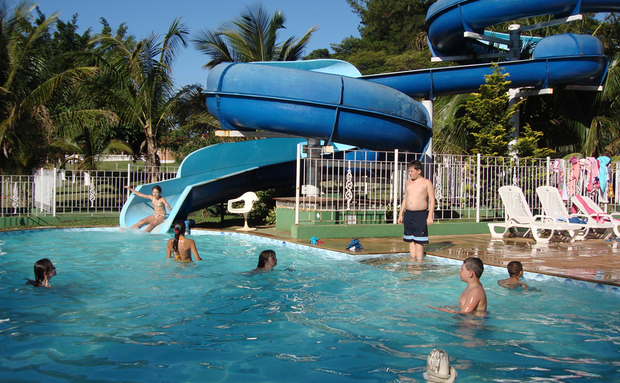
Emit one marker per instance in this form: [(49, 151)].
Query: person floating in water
[(44, 270), (181, 247), (159, 206), (416, 210), (515, 271), (266, 262), (473, 299)]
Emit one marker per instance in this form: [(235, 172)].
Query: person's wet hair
[(514, 268), (179, 230), (157, 187), (264, 257), (42, 268), (475, 265)]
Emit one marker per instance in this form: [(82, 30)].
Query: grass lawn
[(107, 220)]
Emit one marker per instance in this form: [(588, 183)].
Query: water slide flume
[(329, 100), (216, 174)]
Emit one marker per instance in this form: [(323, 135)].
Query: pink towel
[(592, 168), (574, 175)]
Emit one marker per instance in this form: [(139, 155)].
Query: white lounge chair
[(554, 206), (586, 206), (519, 216), (248, 200)]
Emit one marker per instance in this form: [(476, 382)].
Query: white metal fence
[(56, 191), (367, 187), (346, 187)]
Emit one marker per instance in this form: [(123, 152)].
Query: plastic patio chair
[(586, 206), (554, 206), (519, 216), (248, 199)]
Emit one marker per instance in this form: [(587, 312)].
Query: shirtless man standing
[(473, 299), (416, 210)]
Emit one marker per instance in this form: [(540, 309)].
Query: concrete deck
[(592, 260)]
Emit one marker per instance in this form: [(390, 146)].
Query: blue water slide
[(216, 174), (323, 106), (329, 100), (557, 60), (447, 20)]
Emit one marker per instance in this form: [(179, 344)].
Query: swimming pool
[(120, 311)]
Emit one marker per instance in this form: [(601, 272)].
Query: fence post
[(548, 170), (396, 187), (478, 176), (54, 190), (297, 183), (128, 181)]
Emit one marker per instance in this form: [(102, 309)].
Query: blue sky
[(334, 18)]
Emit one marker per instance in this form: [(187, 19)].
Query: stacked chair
[(554, 206), (521, 221)]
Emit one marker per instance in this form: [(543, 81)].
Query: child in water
[(181, 247), (473, 299), (159, 209), (515, 271), (44, 270), (266, 261)]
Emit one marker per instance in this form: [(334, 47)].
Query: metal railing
[(59, 191), (354, 187)]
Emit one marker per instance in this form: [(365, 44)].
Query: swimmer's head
[(475, 265), (179, 228), (43, 269), (514, 268), (264, 257)]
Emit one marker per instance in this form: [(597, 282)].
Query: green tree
[(598, 128), (28, 80), (192, 127), (487, 116), (90, 144), (252, 37), (527, 144), (449, 135), (393, 26), (140, 76), (322, 53)]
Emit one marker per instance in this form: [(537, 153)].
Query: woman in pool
[(159, 206), (181, 247), (44, 270)]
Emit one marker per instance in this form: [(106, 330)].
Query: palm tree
[(450, 136), (143, 91), (252, 37), (599, 127), (26, 85), (90, 145)]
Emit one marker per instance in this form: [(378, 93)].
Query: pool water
[(120, 311)]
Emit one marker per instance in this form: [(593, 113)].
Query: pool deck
[(592, 260)]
